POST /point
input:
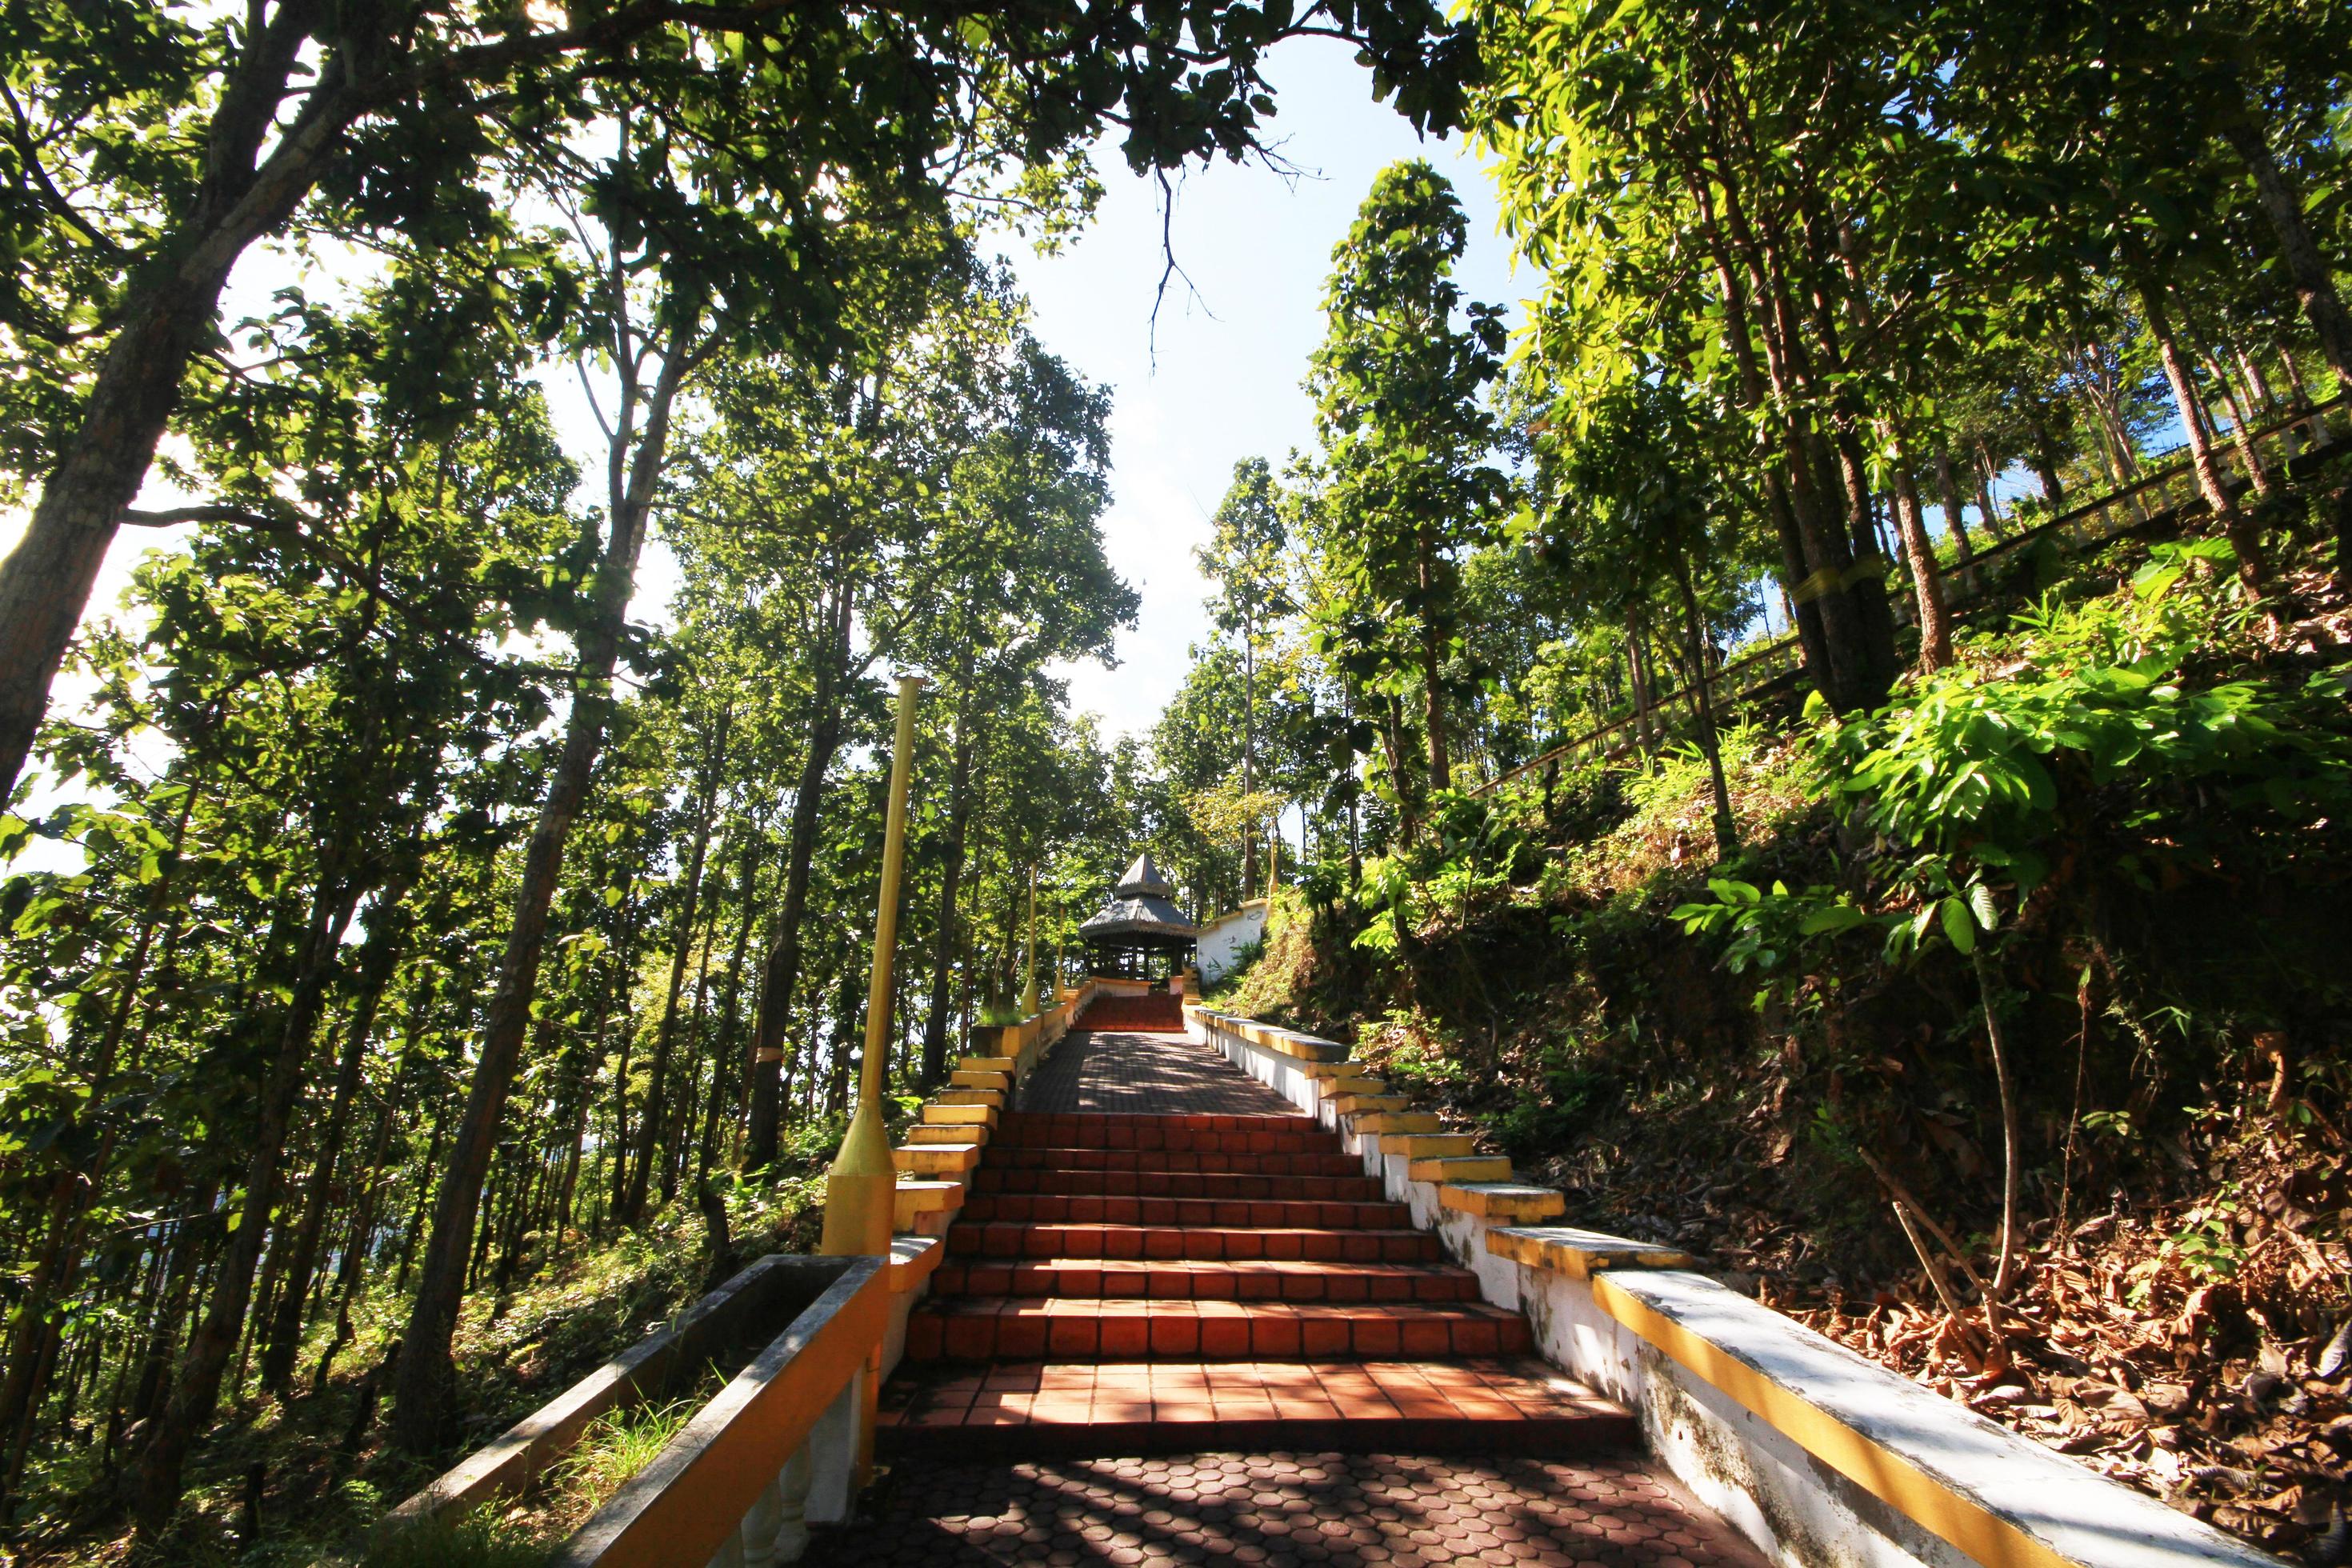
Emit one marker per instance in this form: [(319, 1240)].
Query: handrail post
[(859, 1189)]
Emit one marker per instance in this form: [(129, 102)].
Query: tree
[(1399, 386), (1244, 558), (421, 120)]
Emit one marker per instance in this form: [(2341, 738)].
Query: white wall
[(1223, 940)]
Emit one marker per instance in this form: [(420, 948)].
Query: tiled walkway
[(1156, 1255), (1121, 1070), (1284, 1509), (1496, 1406)]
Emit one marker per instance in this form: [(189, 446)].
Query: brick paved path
[(1125, 1070), (1282, 1508)]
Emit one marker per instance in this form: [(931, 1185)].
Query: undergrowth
[(2119, 832), (326, 1475)]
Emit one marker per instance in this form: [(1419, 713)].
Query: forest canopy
[(399, 908)]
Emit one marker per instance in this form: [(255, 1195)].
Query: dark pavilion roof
[(1140, 911)]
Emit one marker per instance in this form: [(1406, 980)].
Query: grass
[(526, 1533)]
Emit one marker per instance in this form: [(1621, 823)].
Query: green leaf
[(1980, 902), (1958, 929)]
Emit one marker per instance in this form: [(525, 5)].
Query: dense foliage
[(409, 931)]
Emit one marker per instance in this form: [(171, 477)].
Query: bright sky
[(1225, 385), (1230, 355)]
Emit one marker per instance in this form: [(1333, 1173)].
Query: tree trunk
[(193, 1397), (651, 1120), (1249, 757), (169, 313), (2253, 569), (1926, 579), (425, 1409), (1947, 496), (781, 973), (2241, 434), (2314, 286), (2316, 427), (1441, 772), (1987, 507), (723, 1048), (375, 963), (1726, 826)]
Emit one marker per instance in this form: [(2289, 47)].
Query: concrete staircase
[(1161, 1014), (1120, 1283)]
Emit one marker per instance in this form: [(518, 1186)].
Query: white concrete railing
[(1819, 1457)]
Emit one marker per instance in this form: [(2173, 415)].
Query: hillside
[(2129, 802)]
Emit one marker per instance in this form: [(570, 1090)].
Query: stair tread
[(1497, 1390), (1181, 1306), (1228, 1265), (1183, 1212)]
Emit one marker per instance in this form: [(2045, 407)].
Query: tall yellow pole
[(1029, 953), (860, 1192)]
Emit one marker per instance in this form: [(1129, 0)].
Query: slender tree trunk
[(2315, 285), (2314, 425), (375, 963), (1440, 771), (2241, 433), (723, 1048), (425, 1407), (1948, 490), (656, 1085), (1249, 751), (1926, 578), (1986, 507), (782, 972), (194, 1398), (2254, 568), (1726, 826)]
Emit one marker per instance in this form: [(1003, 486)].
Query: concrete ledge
[(1502, 1200), (1427, 1145), (913, 1260), (1577, 1253), (2005, 1501), (1386, 1122), (948, 1133), (936, 1159), (938, 1115), (1459, 1168), (693, 1495), (914, 1201)]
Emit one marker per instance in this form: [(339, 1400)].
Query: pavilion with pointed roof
[(1140, 934)]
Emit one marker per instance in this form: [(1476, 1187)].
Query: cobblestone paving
[(1118, 1070), (1280, 1509)]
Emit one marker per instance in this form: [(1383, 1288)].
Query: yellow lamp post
[(860, 1191), (1029, 952)]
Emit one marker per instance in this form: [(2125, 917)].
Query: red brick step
[(1031, 1410), (1290, 1244), (1084, 1208), (1176, 1163), (994, 1178), (1203, 1280), (1015, 1328)]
